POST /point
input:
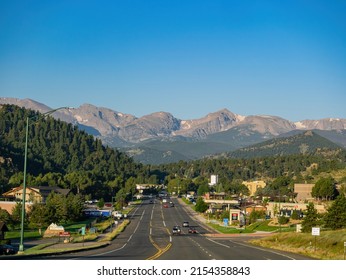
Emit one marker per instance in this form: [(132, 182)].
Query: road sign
[(315, 231), (83, 230)]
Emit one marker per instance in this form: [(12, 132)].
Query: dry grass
[(328, 246)]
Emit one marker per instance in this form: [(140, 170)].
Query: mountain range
[(161, 138)]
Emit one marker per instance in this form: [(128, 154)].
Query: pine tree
[(335, 218), (311, 218)]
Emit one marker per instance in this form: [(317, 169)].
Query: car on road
[(185, 224), (176, 230), (7, 250), (192, 230)]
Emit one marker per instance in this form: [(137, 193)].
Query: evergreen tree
[(201, 206), (311, 218), (335, 218), (202, 189), (5, 217), (38, 216)]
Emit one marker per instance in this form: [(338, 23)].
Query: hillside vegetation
[(60, 154), (329, 245)]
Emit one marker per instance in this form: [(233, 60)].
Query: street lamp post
[(21, 244)]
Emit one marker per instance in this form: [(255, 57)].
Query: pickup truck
[(118, 215)]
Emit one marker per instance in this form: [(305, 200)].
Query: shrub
[(283, 220)]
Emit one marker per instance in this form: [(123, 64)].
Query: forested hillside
[(59, 154), (62, 155), (304, 142)]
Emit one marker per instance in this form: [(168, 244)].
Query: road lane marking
[(219, 243), (261, 249)]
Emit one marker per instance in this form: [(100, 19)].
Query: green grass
[(110, 236), (27, 234), (258, 226), (262, 226)]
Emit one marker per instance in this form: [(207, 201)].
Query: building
[(253, 186), (33, 194), (213, 180), (274, 208), (303, 192)]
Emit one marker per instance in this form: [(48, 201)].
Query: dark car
[(192, 230), (7, 250)]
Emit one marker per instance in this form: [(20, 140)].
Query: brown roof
[(39, 189)]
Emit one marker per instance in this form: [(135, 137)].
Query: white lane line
[(219, 243), (128, 240), (261, 249)]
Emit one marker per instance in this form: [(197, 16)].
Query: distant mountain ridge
[(300, 143), (216, 132)]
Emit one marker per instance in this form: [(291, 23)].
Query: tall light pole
[(21, 244)]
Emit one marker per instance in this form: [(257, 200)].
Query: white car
[(185, 224)]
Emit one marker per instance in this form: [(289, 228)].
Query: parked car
[(185, 224), (7, 250), (176, 230)]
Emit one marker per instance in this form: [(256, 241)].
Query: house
[(33, 194)]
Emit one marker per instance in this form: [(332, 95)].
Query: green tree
[(38, 217), (75, 206), (56, 208), (5, 217), (101, 203), (17, 213), (255, 215), (202, 189), (324, 189), (311, 218), (335, 217), (120, 199), (201, 206)]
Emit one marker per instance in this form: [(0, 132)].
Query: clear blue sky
[(189, 58)]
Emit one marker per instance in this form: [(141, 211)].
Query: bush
[(283, 220)]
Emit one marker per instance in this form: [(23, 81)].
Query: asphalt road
[(149, 236)]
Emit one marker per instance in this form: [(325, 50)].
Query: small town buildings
[(253, 186), (303, 192), (33, 194), (214, 179)]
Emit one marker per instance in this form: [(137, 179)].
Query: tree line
[(60, 154)]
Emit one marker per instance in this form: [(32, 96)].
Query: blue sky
[(189, 58)]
